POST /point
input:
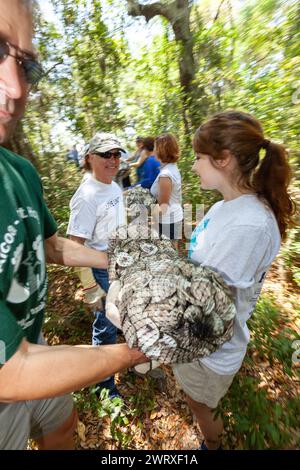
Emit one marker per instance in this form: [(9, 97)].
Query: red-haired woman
[(239, 237), (167, 187)]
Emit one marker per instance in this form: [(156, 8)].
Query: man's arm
[(36, 372), (72, 253), (77, 239)]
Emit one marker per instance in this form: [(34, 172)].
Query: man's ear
[(225, 160)]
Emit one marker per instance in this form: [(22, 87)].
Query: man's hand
[(138, 357)]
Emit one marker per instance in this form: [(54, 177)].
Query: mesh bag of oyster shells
[(138, 200), (173, 310), (123, 169)]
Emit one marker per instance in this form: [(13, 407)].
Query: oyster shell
[(124, 259), (148, 249)]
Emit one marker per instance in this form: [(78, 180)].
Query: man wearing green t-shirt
[(35, 379)]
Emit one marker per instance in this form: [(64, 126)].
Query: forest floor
[(154, 414)]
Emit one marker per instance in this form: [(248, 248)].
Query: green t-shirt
[(25, 223)]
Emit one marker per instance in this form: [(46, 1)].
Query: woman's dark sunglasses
[(32, 69), (108, 154)]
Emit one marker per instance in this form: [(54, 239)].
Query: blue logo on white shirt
[(199, 229)]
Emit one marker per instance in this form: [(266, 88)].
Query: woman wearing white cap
[(97, 209)]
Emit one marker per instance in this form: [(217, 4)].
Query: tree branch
[(53, 67), (218, 12), (150, 11), (177, 13)]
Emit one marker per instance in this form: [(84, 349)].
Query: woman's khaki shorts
[(201, 383)]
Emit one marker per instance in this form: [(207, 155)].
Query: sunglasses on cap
[(31, 68), (109, 154)]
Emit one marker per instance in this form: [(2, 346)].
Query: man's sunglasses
[(108, 154), (32, 69)]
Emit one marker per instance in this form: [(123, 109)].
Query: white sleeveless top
[(174, 212)]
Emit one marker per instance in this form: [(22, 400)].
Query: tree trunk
[(178, 14)]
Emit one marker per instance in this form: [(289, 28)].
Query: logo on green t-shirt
[(25, 223)]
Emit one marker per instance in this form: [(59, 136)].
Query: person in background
[(74, 156), (81, 156), (35, 379), (138, 157), (139, 149), (250, 222), (167, 188), (96, 210), (149, 169)]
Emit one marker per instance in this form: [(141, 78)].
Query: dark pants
[(104, 332), (126, 182)]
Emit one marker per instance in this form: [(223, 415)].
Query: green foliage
[(272, 338), (144, 401), (103, 406), (256, 422), (60, 180), (122, 413), (98, 82), (291, 255), (252, 419), (150, 88), (94, 60), (265, 82)]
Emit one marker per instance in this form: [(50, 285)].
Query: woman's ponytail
[(271, 182)]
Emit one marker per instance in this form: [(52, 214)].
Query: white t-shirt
[(239, 239), (97, 209), (174, 212)]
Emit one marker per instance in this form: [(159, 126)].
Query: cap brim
[(106, 148)]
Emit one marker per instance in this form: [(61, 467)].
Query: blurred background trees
[(185, 60), (143, 67), (137, 68)]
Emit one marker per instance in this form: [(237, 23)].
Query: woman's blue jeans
[(104, 332)]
